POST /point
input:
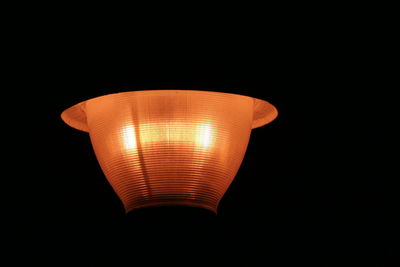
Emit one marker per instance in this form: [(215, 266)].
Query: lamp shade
[(170, 147)]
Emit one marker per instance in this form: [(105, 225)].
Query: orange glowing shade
[(170, 147)]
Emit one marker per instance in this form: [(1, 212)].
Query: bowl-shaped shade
[(170, 147)]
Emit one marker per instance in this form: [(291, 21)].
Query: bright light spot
[(200, 135), (204, 135), (129, 137)]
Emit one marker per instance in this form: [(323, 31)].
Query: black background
[(315, 185)]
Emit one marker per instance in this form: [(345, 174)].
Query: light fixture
[(170, 147)]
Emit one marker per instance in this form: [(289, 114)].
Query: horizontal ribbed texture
[(169, 147)]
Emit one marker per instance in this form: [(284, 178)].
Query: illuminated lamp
[(170, 147)]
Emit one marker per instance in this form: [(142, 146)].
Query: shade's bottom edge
[(173, 203)]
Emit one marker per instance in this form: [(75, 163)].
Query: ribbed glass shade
[(170, 147)]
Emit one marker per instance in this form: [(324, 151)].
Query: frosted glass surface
[(170, 147)]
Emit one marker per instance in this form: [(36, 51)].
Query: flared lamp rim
[(75, 116)]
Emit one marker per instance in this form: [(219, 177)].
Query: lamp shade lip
[(75, 116)]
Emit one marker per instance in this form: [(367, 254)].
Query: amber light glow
[(170, 147), (197, 134)]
